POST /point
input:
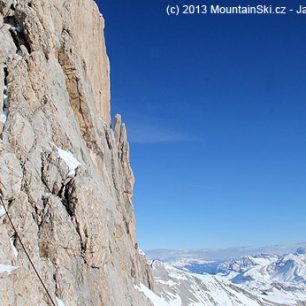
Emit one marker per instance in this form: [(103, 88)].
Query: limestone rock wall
[(65, 175)]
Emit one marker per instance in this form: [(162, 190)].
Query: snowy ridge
[(266, 269)]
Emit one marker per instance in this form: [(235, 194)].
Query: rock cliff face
[(65, 175)]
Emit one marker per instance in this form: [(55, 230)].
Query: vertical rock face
[(65, 176)]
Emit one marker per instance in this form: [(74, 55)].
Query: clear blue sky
[(216, 117)]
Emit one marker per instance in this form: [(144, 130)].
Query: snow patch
[(6, 104), (169, 282), (2, 211), (69, 159), (3, 118), (141, 252), (156, 299), (7, 268), (13, 241), (59, 302)]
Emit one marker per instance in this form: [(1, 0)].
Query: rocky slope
[(65, 176)]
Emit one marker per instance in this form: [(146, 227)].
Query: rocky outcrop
[(65, 175)]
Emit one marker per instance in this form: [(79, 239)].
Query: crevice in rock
[(108, 139), (82, 243), (67, 197), (133, 270), (13, 238), (20, 39), (126, 223), (17, 34), (149, 281), (10, 20), (114, 174), (110, 249), (38, 216), (5, 75), (64, 194), (77, 94), (47, 189), (6, 104)]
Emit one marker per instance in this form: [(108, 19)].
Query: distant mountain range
[(273, 275), (209, 254)]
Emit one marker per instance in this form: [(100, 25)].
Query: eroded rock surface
[(65, 175)]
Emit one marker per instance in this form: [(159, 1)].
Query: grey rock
[(79, 229)]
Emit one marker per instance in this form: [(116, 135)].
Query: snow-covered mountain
[(260, 279), (175, 287), (290, 268)]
